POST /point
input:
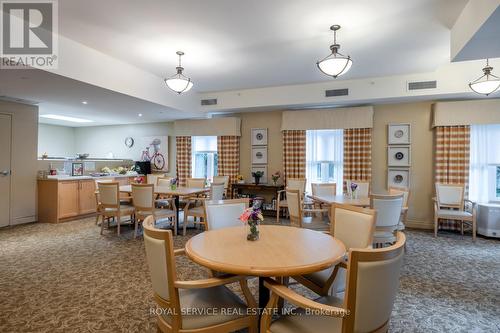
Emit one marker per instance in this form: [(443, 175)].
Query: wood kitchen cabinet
[(67, 196), (86, 197)]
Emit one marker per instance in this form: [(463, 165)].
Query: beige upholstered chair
[(225, 213), (296, 210), (152, 178), (222, 179), (98, 199), (207, 300), (109, 196), (143, 198), (323, 189), (163, 181), (354, 227), (198, 211), (196, 182), (298, 184), (388, 209), (372, 286), (450, 205), (406, 199), (363, 189)]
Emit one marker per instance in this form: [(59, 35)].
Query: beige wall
[(271, 121), (23, 162), (421, 174)]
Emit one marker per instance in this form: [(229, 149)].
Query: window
[(324, 157), (484, 169), (204, 157)]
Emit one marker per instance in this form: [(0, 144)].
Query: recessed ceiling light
[(140, 114), (85, 102), (65, 118)]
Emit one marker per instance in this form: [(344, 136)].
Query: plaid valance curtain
[(228, 151), (183, 160), (294, 153), (451, 161), (357, 154)]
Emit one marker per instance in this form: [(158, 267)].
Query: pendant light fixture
[(336, 63), (179, 82), (486, 84)]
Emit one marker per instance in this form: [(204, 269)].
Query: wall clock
[(129, 141)]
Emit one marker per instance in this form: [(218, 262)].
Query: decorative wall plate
[(259, 136), (398, 134), (398, 156), (398, 178), (259, 155)]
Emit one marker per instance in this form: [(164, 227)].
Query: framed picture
[(398, 156), (398, 134), (263, 168), (155, 149), (259, 155), (398, 178), (77, 169), (259, 136)]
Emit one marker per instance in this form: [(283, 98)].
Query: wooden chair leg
[(436, 223), (135, 228), (278, 212), (118, 220), (184, 226), (102, 224)]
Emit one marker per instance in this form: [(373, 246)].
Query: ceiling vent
[(212, 101), (419, 85), (336, 92), (17, 100)]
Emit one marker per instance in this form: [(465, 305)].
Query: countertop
[(66, 177)]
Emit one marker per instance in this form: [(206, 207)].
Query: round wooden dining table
[(279, 251)]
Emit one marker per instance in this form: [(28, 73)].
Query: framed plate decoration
[(398, 156), (259, 136), (259, 155), (398, 134), (398, 178)]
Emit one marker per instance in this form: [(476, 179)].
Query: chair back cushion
[(224, 215), (323, 189), (353, 226), (142, 195), (196, 182), (152, 178), (157, 261), (108, 193), (221, 179), (404, 191), (363, 189), (293, 202), (388, 209), (216, 191), (451, 195), (373, 278), (296, 184), (163, 181)]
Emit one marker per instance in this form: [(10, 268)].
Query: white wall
[(23, 163), (56, 140)]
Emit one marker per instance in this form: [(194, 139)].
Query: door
[(68, 199), (86, 197), (5, 157)]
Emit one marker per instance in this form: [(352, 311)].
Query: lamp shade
[(485, 87), (335, 65), (179, 84)]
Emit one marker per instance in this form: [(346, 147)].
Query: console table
[(253, 190)]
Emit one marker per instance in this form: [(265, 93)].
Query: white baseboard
[(22, 220), (419, 224)]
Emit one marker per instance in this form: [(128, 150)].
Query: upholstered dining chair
[(363, 189), (298, 184), (296, 211), (323, 189), (450, 205), (225, 213), (198, 211), (406, 198), (209, 297), (98, 199), (162, 200), (152, 178), (143, 198), (109, 196), (164, 180), (388, 209), (222, 179), (195, 182), (372, 286), (354, 227)]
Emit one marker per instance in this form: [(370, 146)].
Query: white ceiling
[(233, 44), (57, 94)]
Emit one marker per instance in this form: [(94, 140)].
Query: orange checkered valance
[(358, 154), (294, 153), (183, 160), (228, 151)]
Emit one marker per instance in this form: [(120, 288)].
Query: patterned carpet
[(68, 278)]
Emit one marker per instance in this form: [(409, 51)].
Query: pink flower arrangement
[(251, 214)]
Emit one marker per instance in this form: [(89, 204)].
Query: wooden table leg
[(263, 294), (176, 200)]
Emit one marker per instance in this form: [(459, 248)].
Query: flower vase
[(173, 187), (354, 194), (253, 230), (257, 180)]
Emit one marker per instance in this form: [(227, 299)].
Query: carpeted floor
[(68, 278)]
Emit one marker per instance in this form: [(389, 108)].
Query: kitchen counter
[(66, 177)]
